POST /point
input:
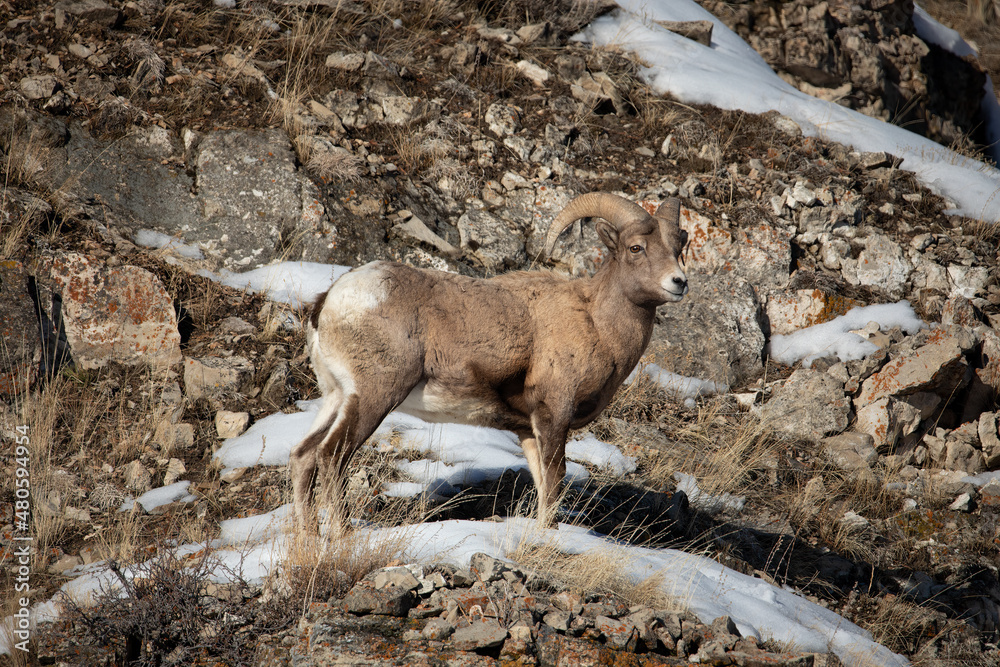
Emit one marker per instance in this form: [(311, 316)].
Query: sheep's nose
[(680, 282)]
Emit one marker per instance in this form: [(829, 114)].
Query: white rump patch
[(357, 292)]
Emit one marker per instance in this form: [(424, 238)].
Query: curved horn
[(616, 210), (670, 210)]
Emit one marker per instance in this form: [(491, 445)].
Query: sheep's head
[(648, 246)]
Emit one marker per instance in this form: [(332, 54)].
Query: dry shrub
[(412, 153), (166, 611)]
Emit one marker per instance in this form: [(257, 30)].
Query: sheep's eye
[(636, 249)]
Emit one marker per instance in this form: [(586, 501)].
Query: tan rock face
[(118, 314), (790, 311), (810, 405), (215, 377), (886, 420)]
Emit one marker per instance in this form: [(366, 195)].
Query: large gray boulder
[(230, 199), (252, 199), (714, 333), (809, 405)]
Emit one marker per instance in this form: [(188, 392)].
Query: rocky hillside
[(147, 145)]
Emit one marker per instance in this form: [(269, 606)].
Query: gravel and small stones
[(482, 622)]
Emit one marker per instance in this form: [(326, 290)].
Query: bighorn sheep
[(528, 351)]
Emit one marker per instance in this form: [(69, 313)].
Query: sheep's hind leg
[(360, 416), (303, 462), (333, 453)]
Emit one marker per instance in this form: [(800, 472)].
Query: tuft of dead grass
[(899, 625), (27, 157), (727, 451), (16, 657), (20, 218), (594, 572), (333, 163), (317, 568)]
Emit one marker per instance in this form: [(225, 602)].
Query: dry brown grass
[(27, 158), (318, 567), (820, 508), (194, 23), (595, 572), (897, 624), (332, 163), (40, 414), (983, 12), (726, 450), (16, 657), (16, 229)]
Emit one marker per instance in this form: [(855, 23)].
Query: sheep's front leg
[(546, 454)]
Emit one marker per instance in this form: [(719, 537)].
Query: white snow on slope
[(294, 283), (834, 338), (731, 75)]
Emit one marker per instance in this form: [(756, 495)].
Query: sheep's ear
[(608, 234)]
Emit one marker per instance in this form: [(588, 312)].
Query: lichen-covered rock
[(790, 311), (938, 366), (886, 420), (120, 314)]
